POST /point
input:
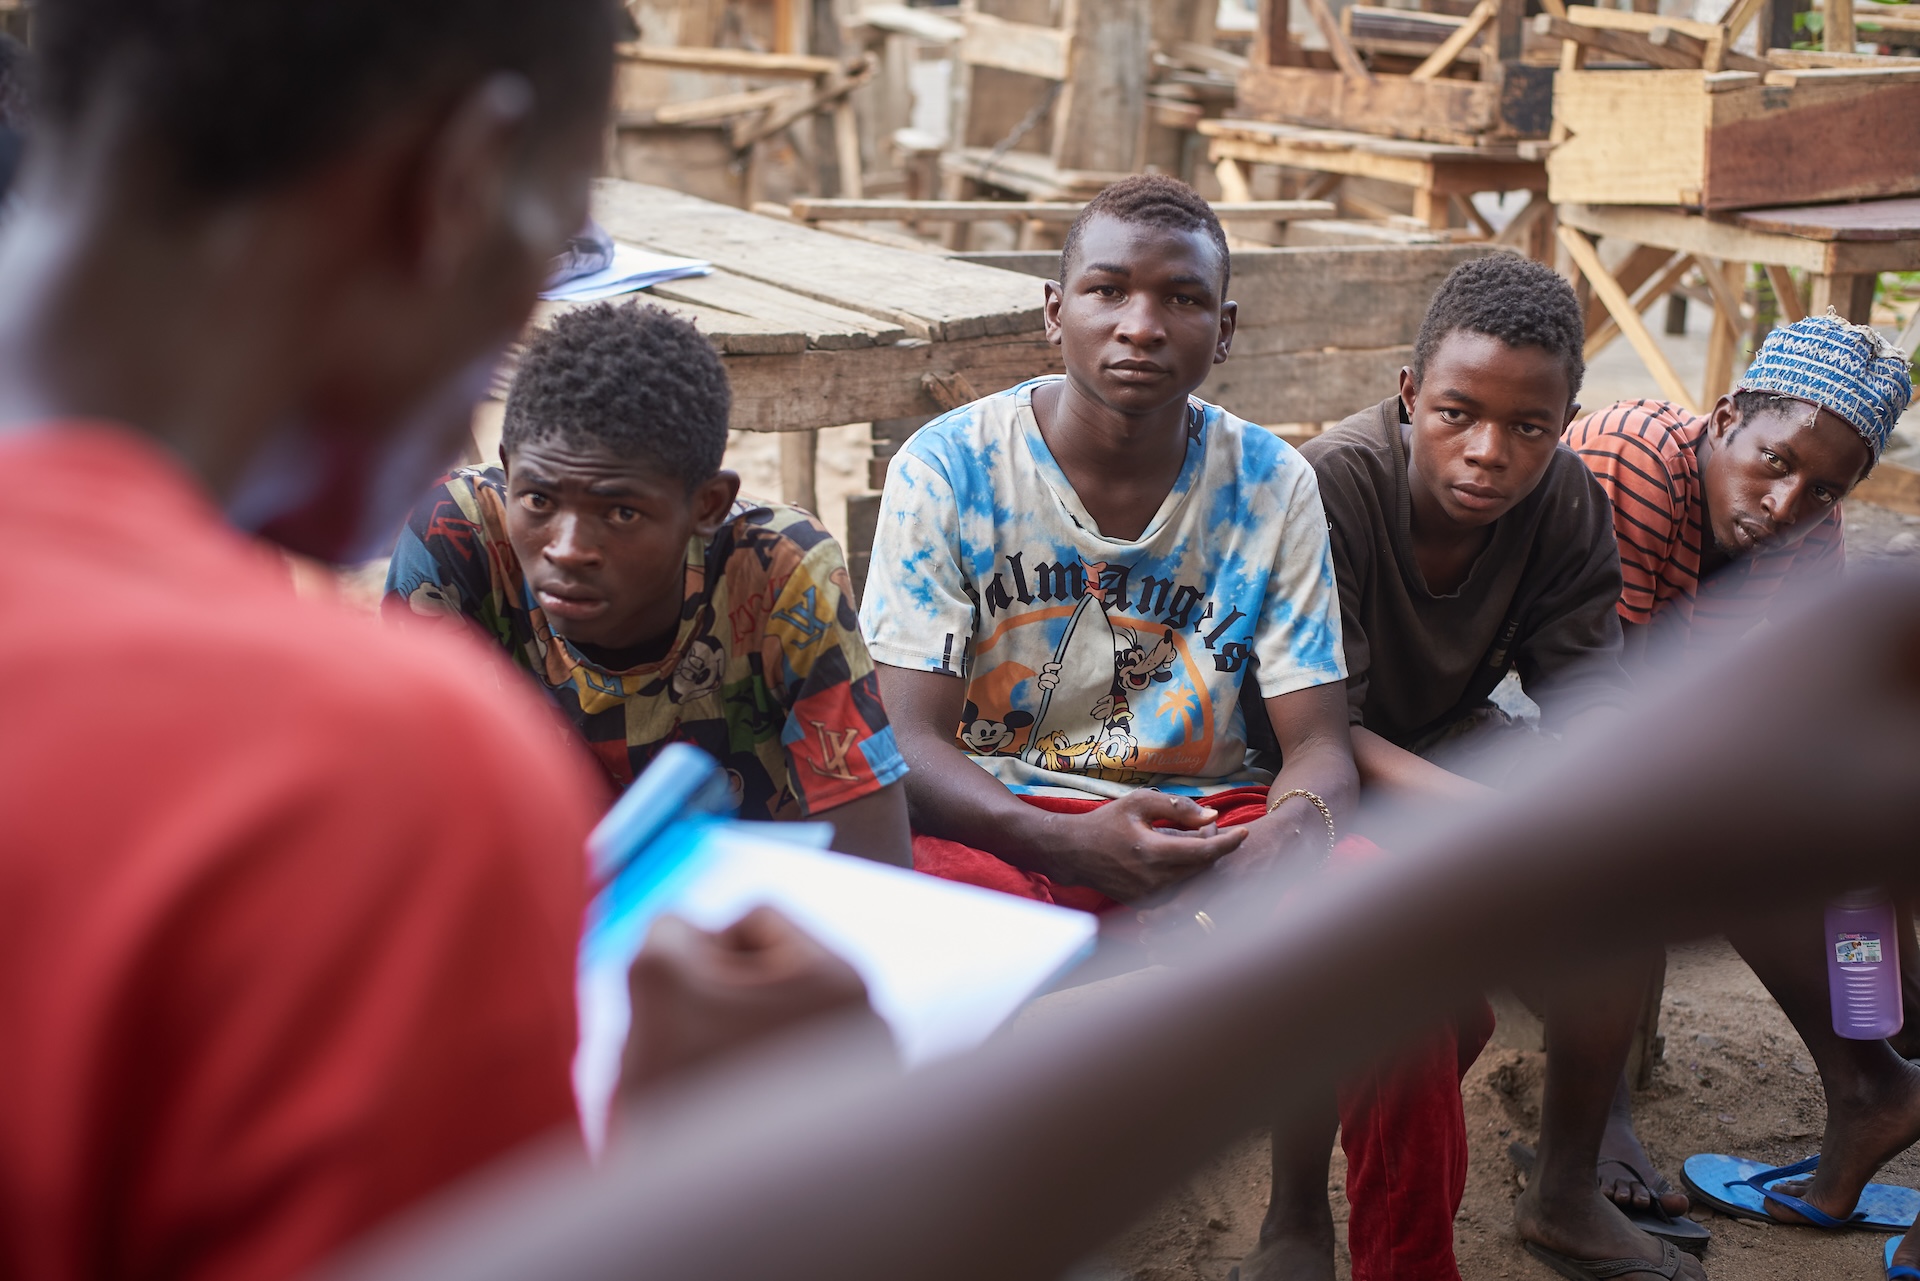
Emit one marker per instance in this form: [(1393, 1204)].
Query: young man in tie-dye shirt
[(1076, 581), (614, 560)]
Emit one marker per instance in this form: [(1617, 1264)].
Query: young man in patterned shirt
[(614, 560)]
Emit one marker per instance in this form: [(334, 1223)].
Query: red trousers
[(1401, 1123)]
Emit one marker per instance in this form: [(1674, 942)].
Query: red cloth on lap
[(952, 861)]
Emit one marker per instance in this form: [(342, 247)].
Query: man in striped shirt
[(1719, 520), (1717, 516)]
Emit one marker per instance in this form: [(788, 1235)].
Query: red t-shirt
[(288, 914)]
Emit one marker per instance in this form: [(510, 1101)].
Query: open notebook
[(945, 964)]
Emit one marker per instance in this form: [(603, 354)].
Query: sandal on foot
[(1654, 1221), (1902, 1272), (1743, 1189), (1603, 1269)]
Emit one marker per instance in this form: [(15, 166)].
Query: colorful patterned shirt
[(1643, 453), (767, 672), (1094, 664)]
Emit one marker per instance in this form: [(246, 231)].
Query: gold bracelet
[(1275, 802)]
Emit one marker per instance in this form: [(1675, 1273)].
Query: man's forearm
[(949, 796), (1383, 765)]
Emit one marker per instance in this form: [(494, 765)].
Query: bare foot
[(1293, 1251), (1585, 1225), (1908, 1253), (1866, 1128), (1625, 1167)]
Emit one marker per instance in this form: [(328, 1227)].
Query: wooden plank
[(1337, 42), (1641, 23), (1891, 485), (724, 107), (1306, 386), (1723, 344), (1826, 138), (1100, 120), (1015, 46), (1698, 51), (1632, 137), (1034, 176), (1443, 57), (731, 62), (1837, 29), (823, 389), (799, 451), (1850, 77), (1873, 220), (808, 209), (899, 19), (803, 102), (1598, 336), (929, 297), (825, 326), (1786, 293), (1850, 294), (1626, 44), (1703, 237), (1811, 58), (730, 332), (1626, 316), (1452, 111)]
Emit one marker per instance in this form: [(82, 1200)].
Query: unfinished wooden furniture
[(817, 330), (805, 86), (1501, 98), (1443, 176), (1049, 103), (1841, 249), (1707, 126)]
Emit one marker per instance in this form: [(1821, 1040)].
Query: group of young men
[(1114, 635), (302, 954)]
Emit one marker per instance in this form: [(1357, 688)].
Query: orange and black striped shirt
[(1643, 454)]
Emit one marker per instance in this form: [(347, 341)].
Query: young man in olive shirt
[(1467, 544)]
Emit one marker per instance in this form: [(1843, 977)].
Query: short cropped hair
[(638, 380), (243, 94), (1521, 302), (1150, 200), (13, 83)]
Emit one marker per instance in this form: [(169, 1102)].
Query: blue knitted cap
[(1850, 369)]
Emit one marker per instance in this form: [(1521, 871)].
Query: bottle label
[(1857, 949)]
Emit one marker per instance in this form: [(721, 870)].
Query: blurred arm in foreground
[(818, 1162)]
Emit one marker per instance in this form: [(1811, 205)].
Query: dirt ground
[(1735, 1079)]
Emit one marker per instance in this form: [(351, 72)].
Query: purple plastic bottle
[(1863, 965)]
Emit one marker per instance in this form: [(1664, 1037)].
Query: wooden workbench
[(817, 330), (1841, 248), (1443, 176)]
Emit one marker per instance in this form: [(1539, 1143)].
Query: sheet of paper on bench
[(944, 963), (631, 270)]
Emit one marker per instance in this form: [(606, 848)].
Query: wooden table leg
[(1786, 293), (1626, 316), (1233, 183), (1606, 331), (1723, 344), (1851, 296), (1430, 208), (798, 450), (846, 145)]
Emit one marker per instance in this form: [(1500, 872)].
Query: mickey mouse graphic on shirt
[(984, 736), (1074, 734)]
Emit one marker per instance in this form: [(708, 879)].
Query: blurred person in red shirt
[(288, 916)]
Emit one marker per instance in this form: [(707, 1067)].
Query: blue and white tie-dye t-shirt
[(1096, 665)]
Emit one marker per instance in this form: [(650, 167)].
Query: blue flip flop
[(1903, 1272), (1742, 1189)]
